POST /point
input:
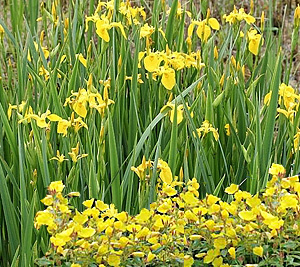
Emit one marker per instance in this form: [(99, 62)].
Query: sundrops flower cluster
[(178, 229)]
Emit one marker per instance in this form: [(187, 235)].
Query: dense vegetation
[(120, 100)]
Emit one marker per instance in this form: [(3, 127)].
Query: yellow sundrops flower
[(258, 251), (88, 203), (220, 243), (57, 186), (232, 189), (211, 255), (231, 252), (150, 256), (86, 232), (168, 190), (211, 199), (165, 207), (247, 215), (277, 169), (188, 261), (113, 260), (48, 200)]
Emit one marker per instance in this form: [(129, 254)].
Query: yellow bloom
[(101, 205), (220, 243), (253, 201), (86, 232), (211, 199), (239, 15), (143, 216), (190, 216), (62, 127), (214, 24), (150, 256), (74, 154), (82, 60), (258, 251), (168, 190), (140, 170), (188, 261), (44, 72), (211, 255), (56, 241), (103, 25), (57, 186), (232, 189), (168, 78), (165, 207), (165, 171), (151, 62), (44, 218), (80, 218), (1, 32), (59, 158), (48, 200), (113, 260), (146, 30), (277, 169), (247, 215), (289, 201), (231, 252), (88, 203), (205, 128), (254, 41)]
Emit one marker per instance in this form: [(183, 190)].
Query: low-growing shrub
[(179, 229)]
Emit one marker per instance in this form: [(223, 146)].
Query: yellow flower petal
[(232, 189), (168, 78), (214, 24), (258, 251)]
